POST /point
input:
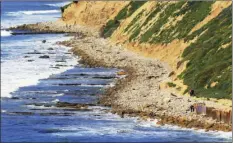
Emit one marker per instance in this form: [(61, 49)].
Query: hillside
[(194, 38), (93, 13)]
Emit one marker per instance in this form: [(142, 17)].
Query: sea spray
[(5, 33), (17, 71)]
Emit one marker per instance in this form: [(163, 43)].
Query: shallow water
[(35, 117), (32, 86)]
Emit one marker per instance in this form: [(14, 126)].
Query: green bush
[(170, 84)]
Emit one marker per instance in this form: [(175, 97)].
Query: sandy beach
[(139, 93)]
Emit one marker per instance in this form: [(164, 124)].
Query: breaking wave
[(5, 33), (58, 4), (18, 13)]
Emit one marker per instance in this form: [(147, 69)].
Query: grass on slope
[(194, 12), (127, 11), (208, 62)]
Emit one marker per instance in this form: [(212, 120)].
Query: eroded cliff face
[(91, 13), (194, 38)]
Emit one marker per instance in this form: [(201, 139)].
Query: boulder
[(14, 97), (50, 49), (43, 41), (30, 60), (44, 57), (34, 52), (59, 65), (171, 73), (61, 61), (167, 100), (26, 56)]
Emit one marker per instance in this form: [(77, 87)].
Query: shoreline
[(139, 93), (108, 97)]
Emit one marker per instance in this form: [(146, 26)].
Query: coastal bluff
[(153, 55)]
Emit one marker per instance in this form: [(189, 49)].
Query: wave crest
[(18, 13), (58, 4), (5, 33)]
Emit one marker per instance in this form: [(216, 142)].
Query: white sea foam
[(112, 84), (5, 33), (139, 130), (86, 85), (55, 101), (3, 111), (40, 107), (216, 134), (19, 13), (55, 95), (29, 18), (58, 4), (17, 72)]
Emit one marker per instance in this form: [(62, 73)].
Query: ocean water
[(32, 86)]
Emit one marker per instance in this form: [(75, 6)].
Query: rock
[(150, 77), (122, 59), (50, 49), (51, 53), (167, 100), (121, 114), (172, 94), (26, 56), (122, 131), (61, 61), (159, 66), (43, 41), (44, 57), (14, 97), (76, 106), (121, 73), (68, 53), (30, 60), (58, 65), (55, 67), (23, 113), (171, 73), (34, 52)]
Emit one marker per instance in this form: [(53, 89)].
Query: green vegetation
[(212, 93), (193, 12), (127, 11), (138, 29), (133, 21), (208, 62), (64, 7), (170, 84), (162, 19)]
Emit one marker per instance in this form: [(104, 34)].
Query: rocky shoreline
[(139, 93)]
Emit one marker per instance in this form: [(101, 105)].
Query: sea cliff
[(165, 48)]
